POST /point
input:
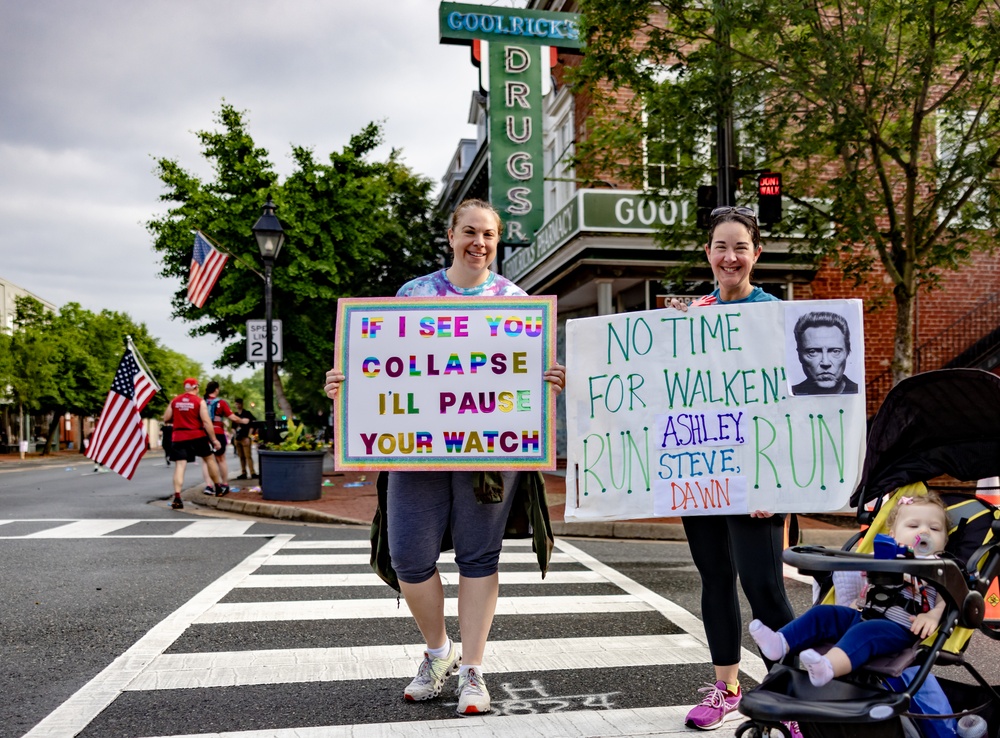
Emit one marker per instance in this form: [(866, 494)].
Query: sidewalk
[(349, 498)]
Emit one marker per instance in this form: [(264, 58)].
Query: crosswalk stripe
[(83, 529), (648, 722), (101, 527), (358, 543), (506, 557), (215, 528), (249, 612), (370, 580), (288, 666), (365, 544)]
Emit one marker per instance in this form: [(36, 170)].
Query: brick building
[(597, 252)]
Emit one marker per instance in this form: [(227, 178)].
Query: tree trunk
[(279, 393), (902, 350), (56, 417)]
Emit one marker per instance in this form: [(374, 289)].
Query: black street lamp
[(270, 238)]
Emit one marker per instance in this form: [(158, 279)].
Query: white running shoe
[(431, 676), (473, 697)]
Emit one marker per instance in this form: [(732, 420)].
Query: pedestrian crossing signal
[(769, 198)]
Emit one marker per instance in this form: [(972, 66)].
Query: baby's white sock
[(772, 643), (819, 667)]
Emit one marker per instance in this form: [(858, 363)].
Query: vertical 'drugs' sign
[(724, 409), (519, 44), (438, 383)]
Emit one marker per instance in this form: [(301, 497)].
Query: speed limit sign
[(257, 340)]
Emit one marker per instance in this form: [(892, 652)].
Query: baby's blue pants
[(861, 640)]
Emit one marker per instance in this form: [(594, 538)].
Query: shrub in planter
[(292, 468)]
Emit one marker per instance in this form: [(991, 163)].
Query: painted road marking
[(296, 665), (83, 529), (146, 666), (107, 527), (371, 580), (78, 711), (506, 557), (648, 722), (386, 607)]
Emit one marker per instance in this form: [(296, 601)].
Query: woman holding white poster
[(726, 546), (423, 507)]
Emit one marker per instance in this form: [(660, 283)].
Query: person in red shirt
[(193, 437), (217, 410)]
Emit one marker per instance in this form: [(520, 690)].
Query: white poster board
[(674, 413), (445, 383)]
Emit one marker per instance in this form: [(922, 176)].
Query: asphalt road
[(121, 617)]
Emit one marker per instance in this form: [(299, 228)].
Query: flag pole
[(224, 250), (142, 362)]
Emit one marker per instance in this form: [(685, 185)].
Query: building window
[(559, 149), (962, 168), (672, 158)]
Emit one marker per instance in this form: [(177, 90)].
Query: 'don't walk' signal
[(769, 198)]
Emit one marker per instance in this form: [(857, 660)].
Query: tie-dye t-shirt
[(438, 285)]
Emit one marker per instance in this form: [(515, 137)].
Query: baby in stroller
[(941, 424), (889, 621)]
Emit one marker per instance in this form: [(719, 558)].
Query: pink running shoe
[(718, 706), (793, 728)]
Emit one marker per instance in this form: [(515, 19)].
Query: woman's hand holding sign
[(334, 378), (555, 375)]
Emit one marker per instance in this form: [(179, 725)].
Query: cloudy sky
[(93, 92)]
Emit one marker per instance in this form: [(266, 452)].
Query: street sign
[(257, 341)]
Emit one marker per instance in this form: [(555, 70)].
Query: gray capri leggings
[(423, 505)]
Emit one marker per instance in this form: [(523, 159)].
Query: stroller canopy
[(940, 422)]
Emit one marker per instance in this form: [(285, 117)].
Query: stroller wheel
[(749, 729)]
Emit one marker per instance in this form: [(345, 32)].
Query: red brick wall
[(958, 293)]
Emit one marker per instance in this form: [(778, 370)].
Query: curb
[(196, 496), (831, 537), (614, 529)]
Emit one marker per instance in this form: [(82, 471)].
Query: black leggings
[(723, 546)]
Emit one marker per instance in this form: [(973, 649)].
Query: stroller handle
[(946, 575)]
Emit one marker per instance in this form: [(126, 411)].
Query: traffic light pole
[(724, 144), (726, 178)]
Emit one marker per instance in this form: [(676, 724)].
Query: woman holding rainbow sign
[(433, 503)]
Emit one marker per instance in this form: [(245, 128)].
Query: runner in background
[(217, 410)]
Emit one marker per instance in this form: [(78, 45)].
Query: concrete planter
[(291, 475)]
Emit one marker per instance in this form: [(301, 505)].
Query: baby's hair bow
[(905, 501)]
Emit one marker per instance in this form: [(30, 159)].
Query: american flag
[(119, 441), (206, 266)]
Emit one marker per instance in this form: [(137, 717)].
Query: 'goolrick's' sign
[(517, 61)]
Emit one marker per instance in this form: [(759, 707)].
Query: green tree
[(884, 116), (64, 362), (354, 226)]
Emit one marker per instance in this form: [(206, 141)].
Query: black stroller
[(945, 422)]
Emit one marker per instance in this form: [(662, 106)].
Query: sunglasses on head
[(738, 209)]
